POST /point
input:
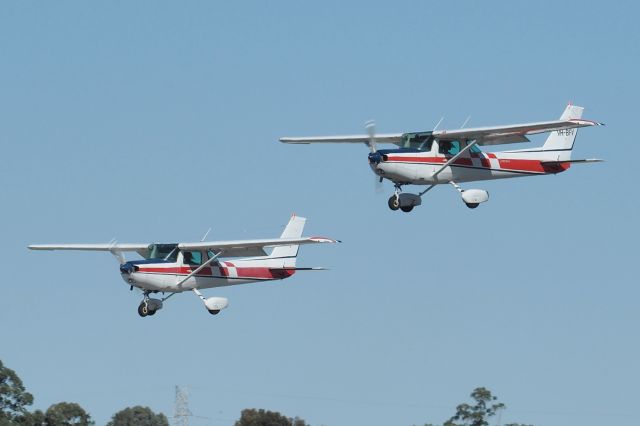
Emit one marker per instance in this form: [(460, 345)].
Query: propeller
[(374, 156), (116, 253), (371, 131)]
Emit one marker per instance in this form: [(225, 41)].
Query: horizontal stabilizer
[(295, 268), (586, 160)]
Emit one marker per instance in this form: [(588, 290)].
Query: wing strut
[(455, 157), (199, 268)]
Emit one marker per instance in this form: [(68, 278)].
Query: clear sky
[(153, 121)]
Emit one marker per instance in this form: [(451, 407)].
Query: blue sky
[(154, 121)]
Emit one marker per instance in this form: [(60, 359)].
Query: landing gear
[(143, 309), (471, 197), (404, 202), (149, 306), (394, 202), (214, 311)]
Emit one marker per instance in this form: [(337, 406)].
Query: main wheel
[(394, 202), (143, 310), (214, 311), (406, 209), (472, 205)]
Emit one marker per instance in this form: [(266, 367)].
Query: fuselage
[(411, 166), (169, 276)]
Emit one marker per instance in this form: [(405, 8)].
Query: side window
[(192, 258), (449, 147), (210, 254)]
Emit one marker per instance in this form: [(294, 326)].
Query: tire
[(143, 311), (214, 311), (394, 203), (406, 209), (472, 205)]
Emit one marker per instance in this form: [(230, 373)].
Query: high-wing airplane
[(453, 156), (177, 267)]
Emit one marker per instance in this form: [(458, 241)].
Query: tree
[(67, 414), (253, 417), (14, 399), (138, 416), (476, 415)]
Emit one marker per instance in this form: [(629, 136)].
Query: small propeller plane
[(178, 267), (453, 156)]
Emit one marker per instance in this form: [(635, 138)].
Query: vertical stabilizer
[(562, 140), (293, 230)]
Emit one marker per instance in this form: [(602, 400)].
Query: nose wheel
[(394, 202), (143, 310), (150, 306)]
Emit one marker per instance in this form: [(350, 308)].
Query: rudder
[(293, 230), (562, 140)]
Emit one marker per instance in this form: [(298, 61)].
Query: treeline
[(15, 402)]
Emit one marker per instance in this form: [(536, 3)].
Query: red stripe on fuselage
[(506, 164), (242, 272)]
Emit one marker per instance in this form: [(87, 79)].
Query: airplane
[(178, 267), (453, 156)]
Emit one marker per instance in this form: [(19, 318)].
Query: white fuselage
[(169, 277), (418, 168)]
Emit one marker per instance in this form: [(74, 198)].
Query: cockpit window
[(192, 258), (475, 149), (419, 141), (163, 251)]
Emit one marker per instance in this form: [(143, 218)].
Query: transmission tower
[(182, 412)]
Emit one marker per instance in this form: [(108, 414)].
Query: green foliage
[(477, 414), (253, 417), (67, 414), (14, 399), (138, 416)]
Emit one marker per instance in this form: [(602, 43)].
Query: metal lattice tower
[(182, 412)]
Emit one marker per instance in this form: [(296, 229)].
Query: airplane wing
[(141, 249), (239, 248), (512, 133), (393, 138), (251, 247)]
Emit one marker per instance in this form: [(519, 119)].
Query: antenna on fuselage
[(205, 234), (437, 124)]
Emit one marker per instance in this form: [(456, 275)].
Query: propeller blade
[(117, 254), (371, 131), (378, 187)]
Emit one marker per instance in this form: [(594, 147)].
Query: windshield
[(161, 251), (419, 141)]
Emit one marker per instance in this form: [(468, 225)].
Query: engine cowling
[(216, 304)]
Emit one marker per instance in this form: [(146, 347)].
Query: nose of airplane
[(127, 268), (375, 158)]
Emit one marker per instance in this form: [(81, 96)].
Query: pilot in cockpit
[(445, 147)]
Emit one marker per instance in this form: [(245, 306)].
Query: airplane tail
[(561, 141), (289, 253)]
